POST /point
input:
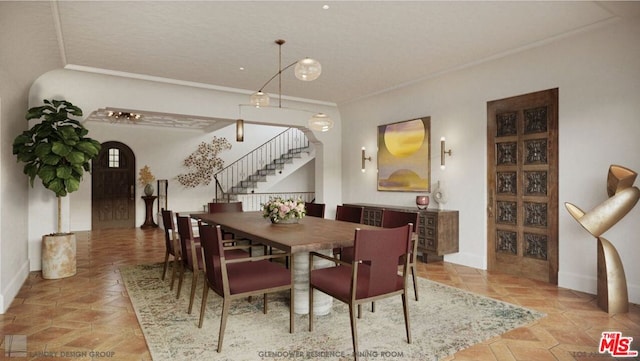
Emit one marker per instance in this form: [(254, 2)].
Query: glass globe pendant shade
[(308, 69), (320, 122), (259, 99)]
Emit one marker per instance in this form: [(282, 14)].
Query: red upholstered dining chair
[(392, 219), (230, 207), (314, 209), (171, 245), (373, 274), (225, 207), (351, 214), (192, 255), (237, 278)]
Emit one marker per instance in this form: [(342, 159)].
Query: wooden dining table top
[(310, 234)]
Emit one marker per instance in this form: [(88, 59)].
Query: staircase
[(268, 163)]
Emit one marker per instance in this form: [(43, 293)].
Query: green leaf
[(68, 133), (51, 159), (44, 130), (63, 172), (57, 186), (31, 170), (26, 156), (75, 157), (88, 148), (74, 110), (78, 169), (61, 149), (36, 112), (47, 173), (22, 139), (72, 184), (43, 149)]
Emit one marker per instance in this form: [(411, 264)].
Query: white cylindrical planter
[(58, 256)]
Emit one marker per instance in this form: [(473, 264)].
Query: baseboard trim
[(589, 284), (12, 289)]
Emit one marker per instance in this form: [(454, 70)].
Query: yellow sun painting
[(403, 156), (404, 139)]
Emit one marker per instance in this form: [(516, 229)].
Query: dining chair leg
[(194, 282), (406, 316), (173, 272), (354, 332), (264, 303), (226, 303), (310, 308), (180, 278), (291, 316), (415, 282), (166, 264), (203, 305)]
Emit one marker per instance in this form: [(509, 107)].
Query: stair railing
[(257, 161)]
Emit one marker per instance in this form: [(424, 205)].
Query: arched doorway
[(113, 187)]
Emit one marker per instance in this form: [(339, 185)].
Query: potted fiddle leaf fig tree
[(58, 151)]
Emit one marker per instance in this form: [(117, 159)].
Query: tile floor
[(89, 316)]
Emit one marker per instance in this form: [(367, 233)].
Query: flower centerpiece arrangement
[(280, 210), (146, 178)]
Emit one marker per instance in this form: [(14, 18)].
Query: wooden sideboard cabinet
[(437, 229)]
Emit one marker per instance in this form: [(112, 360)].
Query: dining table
[(309, 234)]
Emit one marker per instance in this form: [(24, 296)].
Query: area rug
[(444, 321)]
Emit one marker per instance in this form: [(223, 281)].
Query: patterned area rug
[(444, 321)]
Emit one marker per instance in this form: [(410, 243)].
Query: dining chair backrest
[(225, 207), (349, 214), (212, 249), (169, 227), (392, 218), (314, 209), (185, 231), (380, 250)]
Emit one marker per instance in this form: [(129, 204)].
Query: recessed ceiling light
[(242, 68), (325, 7)]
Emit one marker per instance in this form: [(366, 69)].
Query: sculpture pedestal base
[(321, 302), (612, 283)]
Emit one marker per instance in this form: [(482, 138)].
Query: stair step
[(283, 161), (274, 166), (248, 184)]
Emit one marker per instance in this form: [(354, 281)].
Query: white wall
[(598, 76), (20, 65), (163, 149)]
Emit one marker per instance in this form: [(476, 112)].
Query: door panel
[(522, 139), (113, 187)]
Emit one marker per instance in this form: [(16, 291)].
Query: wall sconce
[(240, 130), (364, 158), (443, 152)]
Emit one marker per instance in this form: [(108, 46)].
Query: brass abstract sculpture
[(623, 196)]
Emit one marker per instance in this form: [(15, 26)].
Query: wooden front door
[(113, 187), (522, 175)]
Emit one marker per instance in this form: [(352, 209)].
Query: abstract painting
[(404, 152)]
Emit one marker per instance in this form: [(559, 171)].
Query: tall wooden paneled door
[(522, 209), (113, 180)]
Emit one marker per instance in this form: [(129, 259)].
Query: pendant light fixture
[(306, 70)]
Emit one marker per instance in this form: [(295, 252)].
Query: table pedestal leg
[(321, 302)]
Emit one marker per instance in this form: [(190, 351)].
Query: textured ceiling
[(364, 47)]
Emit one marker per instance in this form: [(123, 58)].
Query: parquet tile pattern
[(89, 316)]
